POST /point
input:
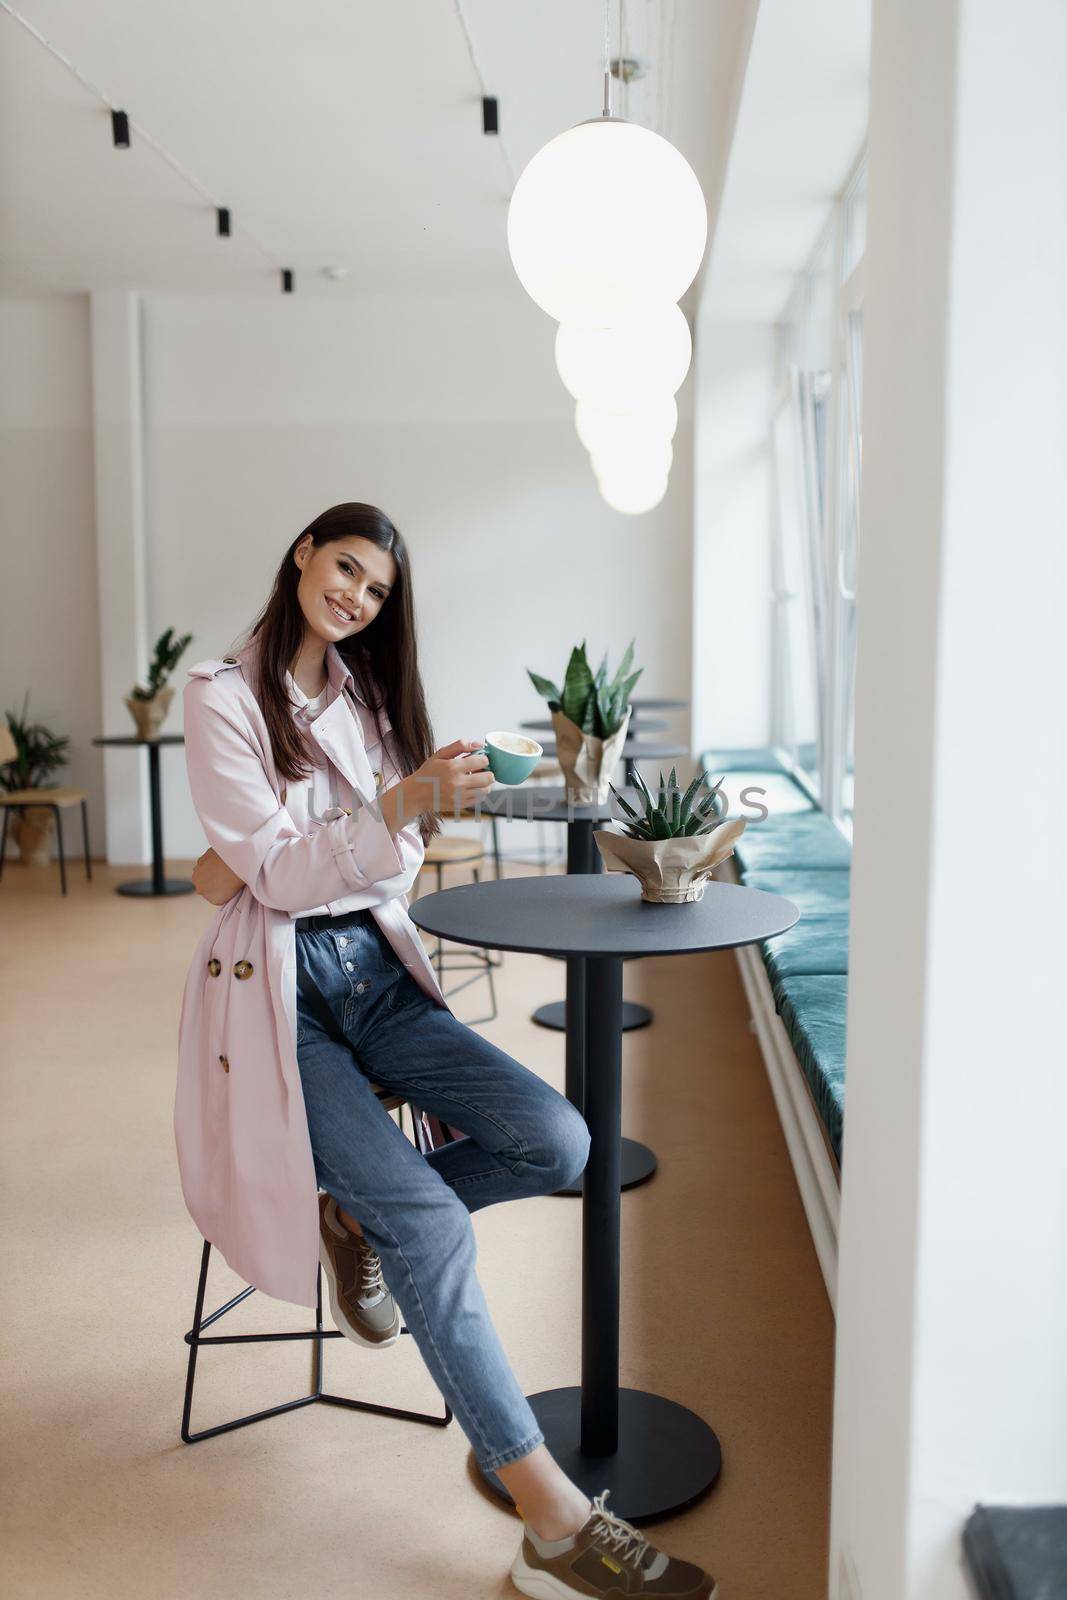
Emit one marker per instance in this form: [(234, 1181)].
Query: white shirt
[(323, 807)]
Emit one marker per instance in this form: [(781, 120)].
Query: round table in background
[(157, 883), (648, 724), (550, 804), (633, 750), (655, 1455)]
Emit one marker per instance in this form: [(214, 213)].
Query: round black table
[(542, 803), (642, 702), (648, 724), (633, 750), (655, 1455), (157, 883)]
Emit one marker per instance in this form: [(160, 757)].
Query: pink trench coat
[(244, 1151)]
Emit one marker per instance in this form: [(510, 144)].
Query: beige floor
[(724, 1307)]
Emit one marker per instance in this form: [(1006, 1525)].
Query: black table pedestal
[(554, 1015), (666, 1457), (157, 884), (655, 1455)]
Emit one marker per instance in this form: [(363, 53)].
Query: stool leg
[(59, 835), (496, 848), (85, 842), (437, 955), (194, 1343)]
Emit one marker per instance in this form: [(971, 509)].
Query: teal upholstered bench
[(806, 840), (816, 893), (813, 1011)]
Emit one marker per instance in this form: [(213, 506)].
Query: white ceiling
[(339, 132)]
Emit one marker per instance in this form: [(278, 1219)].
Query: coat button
[(214, 966), (224, 1063), (243, 969), (343, 940)]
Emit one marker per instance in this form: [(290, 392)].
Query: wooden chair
[(56, 800), (451, 851)]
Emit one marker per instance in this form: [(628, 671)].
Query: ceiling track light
[(490, 114), (120, 130), (222, 214), (287, 280)]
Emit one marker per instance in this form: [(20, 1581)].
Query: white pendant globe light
[(632, 497), (651, 460), (607, 221), (599, 427), (626, 365)]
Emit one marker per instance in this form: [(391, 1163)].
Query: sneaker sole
[(543, 1586), (342, 1321)]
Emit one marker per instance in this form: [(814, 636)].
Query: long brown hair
[(383, 658)]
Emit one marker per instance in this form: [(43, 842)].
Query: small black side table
[(551, 804), (157, 883), (648, 725), (654, 1455), (633, 750)]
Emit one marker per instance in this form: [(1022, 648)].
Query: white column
[(952, 1312), (118, 434)]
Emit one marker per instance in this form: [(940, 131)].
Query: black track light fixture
[(120, 130), (287, 280), (490, 114), (223, 215)]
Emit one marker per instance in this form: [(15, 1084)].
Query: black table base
[(554, 1015), (638, 1165), (148, 886), (666, 1456)]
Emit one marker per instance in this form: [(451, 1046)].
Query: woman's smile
[(339, 612)]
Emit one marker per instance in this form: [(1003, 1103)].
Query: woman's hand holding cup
[(451, 780)]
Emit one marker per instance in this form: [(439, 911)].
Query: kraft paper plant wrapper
[(670, 870), (587, 762)]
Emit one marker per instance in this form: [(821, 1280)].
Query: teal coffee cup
[(512, 756)]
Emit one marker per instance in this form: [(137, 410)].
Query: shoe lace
[(620, 1537), (370, 1268)]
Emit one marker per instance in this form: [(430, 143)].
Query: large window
[(816, 448)]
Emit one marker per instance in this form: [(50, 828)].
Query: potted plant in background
[(40, 754), (590, 717), (149, 707), (677, 843)]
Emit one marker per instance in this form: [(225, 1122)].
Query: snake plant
[(672, 815), (587, 698)]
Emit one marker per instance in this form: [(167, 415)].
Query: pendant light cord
[(457, 6)]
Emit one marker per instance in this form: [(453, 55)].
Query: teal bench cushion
[(803, 840), (812, 947), (813, 1013), (759, 758), (816, 894)]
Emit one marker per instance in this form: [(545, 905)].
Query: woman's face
[(343, 585)]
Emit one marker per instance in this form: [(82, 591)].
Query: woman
[(313, 772)]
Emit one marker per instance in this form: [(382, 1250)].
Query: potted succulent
[(677, 843), (39, 754), (590, 716), (149, 707)]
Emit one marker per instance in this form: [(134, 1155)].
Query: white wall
[(733, 392), (48, 598), (449, 414), (952, 1307)]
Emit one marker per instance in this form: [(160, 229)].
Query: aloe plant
[(167, 653), (587, 698), (672, 815)]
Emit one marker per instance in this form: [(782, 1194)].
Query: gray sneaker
[(607, 1559), (362, 1306)]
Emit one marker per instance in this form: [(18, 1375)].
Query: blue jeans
[(522, 1138)]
